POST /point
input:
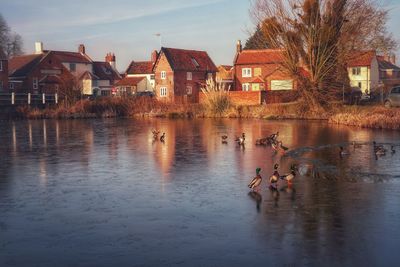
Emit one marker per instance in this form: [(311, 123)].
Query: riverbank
[(360, 116)]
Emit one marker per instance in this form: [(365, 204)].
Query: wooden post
[(29, 98), (12, 98), (43, 98), (56, 98)]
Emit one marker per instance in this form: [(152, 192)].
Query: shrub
[(217, 99)]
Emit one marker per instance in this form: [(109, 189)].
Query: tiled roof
[(361, 59), (257, 80), (142, 67), (104, 71), (384, 64), (71, 57), (20, 66), (129, 81), (263, 56), (226, 67), (188, 60)]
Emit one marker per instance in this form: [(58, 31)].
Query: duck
[(355, 145), (274, 136), (261, 142), (155, 134), (277, 146), (256, 181), (240, 140), (392, 150), (273, 180), (224, 139), (162, 138), (343, 152), (379, 150), (290, 176)]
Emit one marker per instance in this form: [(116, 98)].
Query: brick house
[(179, 74), (46, 71), (3, 72), (129, 86), (259, 70), (137, 69)]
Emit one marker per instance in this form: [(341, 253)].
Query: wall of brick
[(242, 98), (163, 65), (4, 76)]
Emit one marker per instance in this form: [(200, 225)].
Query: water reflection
[(111, 181)]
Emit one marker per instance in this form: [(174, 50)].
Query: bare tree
[(11, 43), (319, 35)]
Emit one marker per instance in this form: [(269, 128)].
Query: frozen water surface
[(102, 193)]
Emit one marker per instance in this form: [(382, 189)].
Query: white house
[(143, 69)]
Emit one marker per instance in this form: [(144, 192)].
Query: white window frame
[(163, 91), (1, 65), (189, 90), (35, 83), (246, 87), (163, 75), (189, 76), (356, 71), (246, 72)]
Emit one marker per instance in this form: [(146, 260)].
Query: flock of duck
[(277, 146)]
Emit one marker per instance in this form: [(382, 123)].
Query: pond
[(103, 193)]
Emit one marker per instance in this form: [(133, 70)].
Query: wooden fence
[(14, 99)]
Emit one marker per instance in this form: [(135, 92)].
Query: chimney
[(81, 49), (110, 58), (38, 47), (239, 46), (393, 59), (154, 56)]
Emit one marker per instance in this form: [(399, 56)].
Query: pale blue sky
[(127, 27)]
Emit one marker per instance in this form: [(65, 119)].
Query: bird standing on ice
[(255, 183)]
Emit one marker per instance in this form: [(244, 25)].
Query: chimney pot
[(154, 56), (239, 46), (82, 49), (38, 47)]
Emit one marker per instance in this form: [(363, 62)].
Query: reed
[(217, 100)]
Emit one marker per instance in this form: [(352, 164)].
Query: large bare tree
[(10, 42), (318, 35)]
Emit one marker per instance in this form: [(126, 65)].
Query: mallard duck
[(155, 134), (162, 138), (273, 180), (274, 136), (355, 145), (224, 139), (256, 181), (344, 152), (379, 150), (240, 140), (290, 176)]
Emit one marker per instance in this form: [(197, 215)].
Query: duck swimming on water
[(256, 181), (343, 152)]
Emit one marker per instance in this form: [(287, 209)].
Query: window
[(72, 67), (356, 71), (257, 72), (152, 77), (1, 65), (35, 83), (246, 87), (163, 91), (189, 90), (189, 76), (246, 72), (163, 75), (359, 85), (11, 85)]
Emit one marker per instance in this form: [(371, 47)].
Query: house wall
[(150, 83), (4, 76), (364, 79), (267, 72), (80, 68), (87, 88), (163, 65)]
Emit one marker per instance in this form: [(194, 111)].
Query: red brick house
[(179, 74), (259, 70), (3, 72)]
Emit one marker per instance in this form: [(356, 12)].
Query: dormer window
[(195, 63)]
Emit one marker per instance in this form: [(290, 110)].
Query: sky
[(128, 28)]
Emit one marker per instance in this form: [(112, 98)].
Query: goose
[(290, 176), (162, 138), (240, 140), (273, 180), (155, 134), (344, 152), (256, 181)]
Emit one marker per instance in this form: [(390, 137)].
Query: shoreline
[(376, 117)]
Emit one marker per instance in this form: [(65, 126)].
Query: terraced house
[(49, 71), (179, 74)]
